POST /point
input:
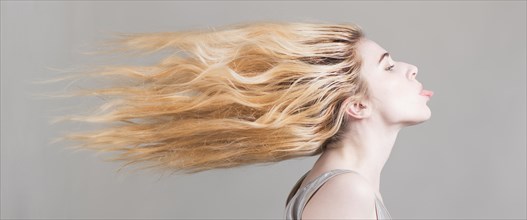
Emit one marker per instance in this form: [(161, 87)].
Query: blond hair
[(244, 94)]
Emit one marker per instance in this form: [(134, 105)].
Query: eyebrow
[(383, 56)]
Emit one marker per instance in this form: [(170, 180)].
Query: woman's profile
[(263, 92)]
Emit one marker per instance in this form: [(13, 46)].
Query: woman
[(397, 100), (260, 93)]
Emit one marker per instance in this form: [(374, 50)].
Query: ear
[(357, 109)]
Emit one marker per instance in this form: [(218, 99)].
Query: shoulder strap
[(295, 188), (324, 176)]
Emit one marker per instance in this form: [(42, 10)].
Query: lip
[(426, 93)]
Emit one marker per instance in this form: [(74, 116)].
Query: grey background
[(467, 161)]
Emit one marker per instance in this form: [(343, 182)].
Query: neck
[(364, 149)]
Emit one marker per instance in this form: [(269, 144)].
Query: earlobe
[(356, 110)]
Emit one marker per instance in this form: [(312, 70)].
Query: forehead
[(370, 52)]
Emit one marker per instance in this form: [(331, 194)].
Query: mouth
[(427, 93)]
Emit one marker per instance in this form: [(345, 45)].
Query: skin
[(395, 103)]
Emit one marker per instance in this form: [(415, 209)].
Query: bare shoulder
[(344, 196)]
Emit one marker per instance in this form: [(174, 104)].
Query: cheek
[(389, 92), (391, 97), (401, 100)]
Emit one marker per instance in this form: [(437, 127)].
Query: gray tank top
[(298, 199)]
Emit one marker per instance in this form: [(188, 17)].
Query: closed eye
[(390, 68)]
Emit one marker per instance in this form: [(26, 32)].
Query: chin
[(428, 114), (425, 116), (419, 118)]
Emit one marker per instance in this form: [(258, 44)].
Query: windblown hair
[(241, 94)]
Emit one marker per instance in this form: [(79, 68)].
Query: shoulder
[(347, 195)]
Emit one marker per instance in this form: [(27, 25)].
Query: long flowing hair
[(246, 93)]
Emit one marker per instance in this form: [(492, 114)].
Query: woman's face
[(394, 91)]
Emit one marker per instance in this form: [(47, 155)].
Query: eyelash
[(390, 68)]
